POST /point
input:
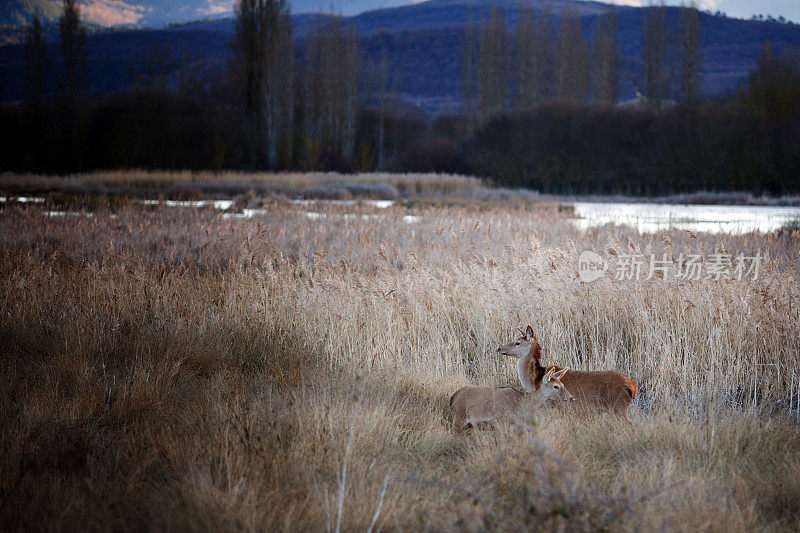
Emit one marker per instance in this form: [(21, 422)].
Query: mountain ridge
[(156, 14), (423, 43)]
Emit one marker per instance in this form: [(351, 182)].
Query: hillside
[(158, 13), (106, 13), (423, 43)]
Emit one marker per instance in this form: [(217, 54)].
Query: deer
[(472, 405), (607, 390)]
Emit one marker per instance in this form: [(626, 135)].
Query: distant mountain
[(423, 42), (106, 13), (18, 12), (158, 13)]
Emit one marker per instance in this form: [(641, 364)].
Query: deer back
[(484, 402), (607, 388)]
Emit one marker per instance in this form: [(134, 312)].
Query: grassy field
[(170, 368)]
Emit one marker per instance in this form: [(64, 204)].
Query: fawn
[(472, 405)]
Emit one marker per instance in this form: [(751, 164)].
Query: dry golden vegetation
[(186, 185), (169, 368)]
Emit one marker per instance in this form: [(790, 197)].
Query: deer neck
[(536, 397), (524, 371), (534, 371)]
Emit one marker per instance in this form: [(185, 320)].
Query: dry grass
[(188, 185), (170, 369)]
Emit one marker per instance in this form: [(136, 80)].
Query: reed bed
[(171, 368), (185, 184)]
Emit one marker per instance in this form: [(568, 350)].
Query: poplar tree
[(468, 77), (73, 87), (381, 83), (605, 73), (526, 81), (331, 90), (573, 74), (36, 57), (691, 56), (493, 64), (264, 69), (73, 41), (546, 58), (655, 57)]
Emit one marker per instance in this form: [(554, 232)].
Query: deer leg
[(622, 412)]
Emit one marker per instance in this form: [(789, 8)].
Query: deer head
[(522, 346), (552, 388)]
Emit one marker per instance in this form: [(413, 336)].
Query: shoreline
[(335, 186)]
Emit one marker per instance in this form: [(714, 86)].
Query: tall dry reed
[(169, 368)]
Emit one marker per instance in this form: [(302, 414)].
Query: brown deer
[(473, 405), (606, 389)]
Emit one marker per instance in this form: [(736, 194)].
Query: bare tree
[(193, 75), (248, 71), (152, 73), (573, 73), (73, 41), (73, 87), (313, 99), (352, 70), (493, 64), (331, 84), (279, 93), (691, 56), (655, 56), (381, 85), (468, 77), (386, 85), (248, 55), (36, 56), (526, 81), (263, 66), (773, 88), (605, 73), (546, 58)]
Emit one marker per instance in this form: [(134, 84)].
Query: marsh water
[(645, 217), (650, 218)]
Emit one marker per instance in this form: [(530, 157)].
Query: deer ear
[(549, 376), (529, 332), (560, 373)]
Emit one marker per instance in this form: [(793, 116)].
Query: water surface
[(650, 218)]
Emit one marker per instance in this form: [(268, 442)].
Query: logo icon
[(591, 266)]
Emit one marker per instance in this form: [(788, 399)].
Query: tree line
[(540, 108), (545, 62)]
